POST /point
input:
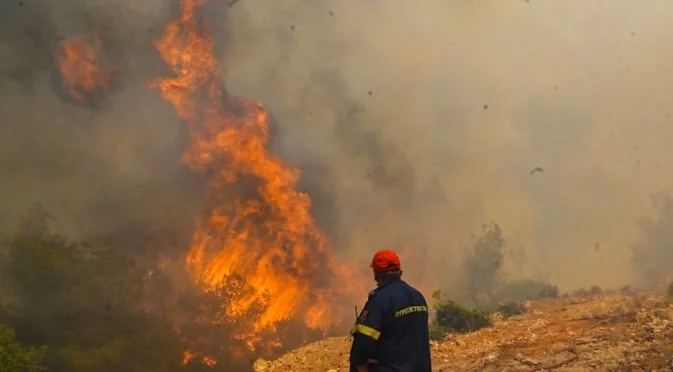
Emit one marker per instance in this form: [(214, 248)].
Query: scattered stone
[(529, 361), (611, 332)]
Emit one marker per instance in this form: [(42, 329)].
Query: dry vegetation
[(530, 328), (608, 332)]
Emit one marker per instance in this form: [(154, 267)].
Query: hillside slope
[(615, 332)]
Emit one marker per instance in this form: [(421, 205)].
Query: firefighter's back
[(404, 345)]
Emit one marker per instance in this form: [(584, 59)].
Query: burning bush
[(90, 306)]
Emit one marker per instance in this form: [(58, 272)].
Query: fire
[(81, 70), (188, 356), (260, 229)]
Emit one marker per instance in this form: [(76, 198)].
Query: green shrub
[(452, 317), (437, 332), (511, 308), (17, 358), (527, 289), (549, 291)]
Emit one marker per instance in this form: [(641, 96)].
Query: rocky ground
[(611, 332)]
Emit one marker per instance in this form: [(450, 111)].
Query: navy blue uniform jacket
[(393, 329)]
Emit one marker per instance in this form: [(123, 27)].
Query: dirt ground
[(610, 332)]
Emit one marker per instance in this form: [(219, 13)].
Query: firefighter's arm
[(366, 333)]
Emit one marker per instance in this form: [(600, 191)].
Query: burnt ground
[(610, 332)]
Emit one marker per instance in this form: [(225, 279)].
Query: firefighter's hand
[(366, 367)]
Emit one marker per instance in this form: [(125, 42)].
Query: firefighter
[(391, 333)]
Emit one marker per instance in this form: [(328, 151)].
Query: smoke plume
[(413, 123), (416, 122)]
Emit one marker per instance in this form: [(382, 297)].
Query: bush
[(595, 290), (652, 255), (527, 289), (549, 291), (581, 292), (452, 317), (16, 358), (96, 310), (437, 332), (511, 308), (483, 262)]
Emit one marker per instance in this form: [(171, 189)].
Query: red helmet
[(385, 260)]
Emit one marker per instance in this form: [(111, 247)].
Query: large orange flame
[(81, 71), (261, 229)]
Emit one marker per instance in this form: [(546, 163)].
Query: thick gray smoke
[(425, 118), (413, 122), (110, 169)]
